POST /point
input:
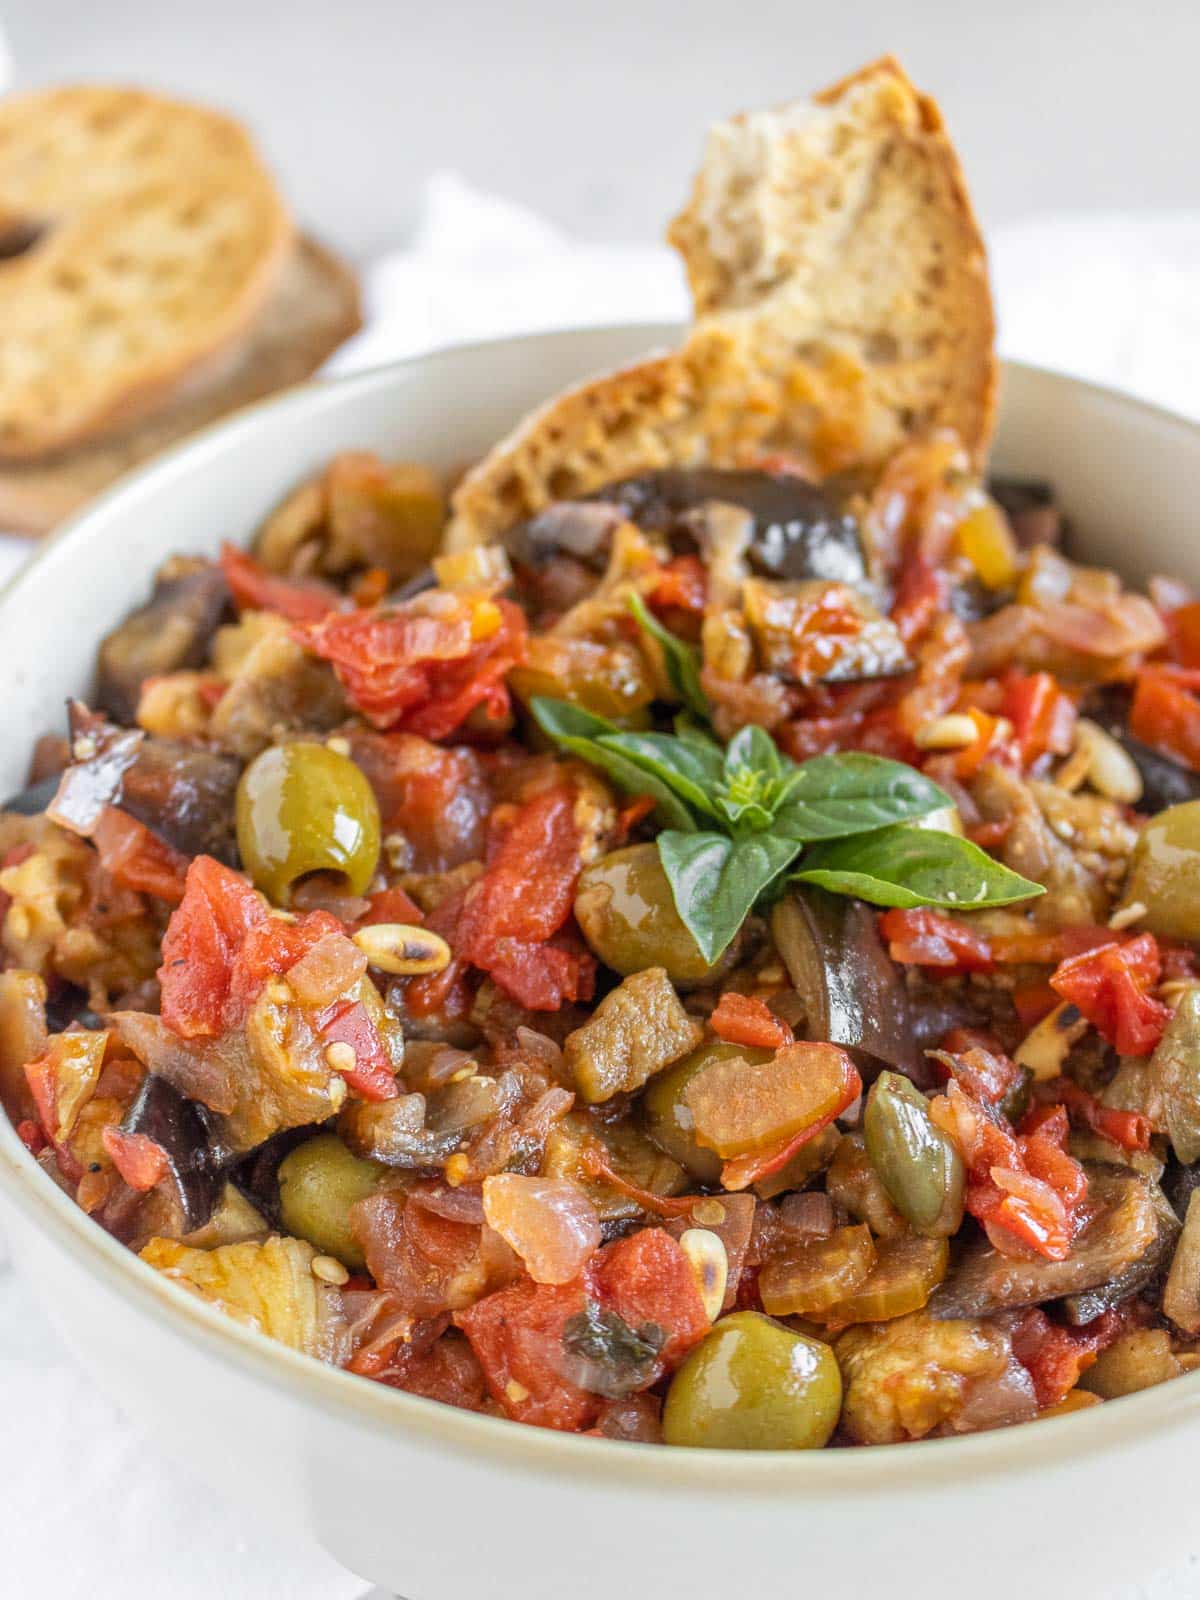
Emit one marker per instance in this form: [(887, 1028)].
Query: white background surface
[(1058, 107)]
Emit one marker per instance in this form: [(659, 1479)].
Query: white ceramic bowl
[(440, 1505)]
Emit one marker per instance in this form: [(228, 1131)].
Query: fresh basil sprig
[(736, 818)]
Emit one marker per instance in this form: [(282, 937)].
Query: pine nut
[(952, 732), (403, 950), (330, 1270), (1111, 769), (710, 1265)]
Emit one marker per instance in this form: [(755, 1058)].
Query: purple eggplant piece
[(799, 532), (172, 631), (185, 794), (192, 1137), (853, 993)]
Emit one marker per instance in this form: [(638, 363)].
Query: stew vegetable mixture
[(718, 969)]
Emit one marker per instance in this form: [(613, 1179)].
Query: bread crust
[(313, 308), (163, 237), (841, 302)]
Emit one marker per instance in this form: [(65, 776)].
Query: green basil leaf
[(909, 867), (831, 797), (578, 731), (715, 880), (682, 662), (692, 771), (753, 749)]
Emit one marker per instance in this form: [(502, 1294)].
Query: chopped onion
[(549, 1222)]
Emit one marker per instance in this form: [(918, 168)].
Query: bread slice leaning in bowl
[(841, 305)]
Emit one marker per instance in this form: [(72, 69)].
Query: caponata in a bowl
[(703, 955)]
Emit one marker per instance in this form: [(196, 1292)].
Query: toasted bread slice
[(313, 309), (842, 304), (148, 236)]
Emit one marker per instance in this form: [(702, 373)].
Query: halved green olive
[(917, 1164), (667, 1118), (627, 913), (304, 808), (1164, 873), (752, 1384), (318, 1183)]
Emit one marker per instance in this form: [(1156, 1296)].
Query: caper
[(917, 1164), (303, 808), (627, 913), (1164, 873), (318, 1183), (752, 1384), (667, 1118)]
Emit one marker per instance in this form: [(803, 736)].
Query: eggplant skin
[(853, 993), (191, 1137), (1127, 1228), (798, 530), (173, 630)]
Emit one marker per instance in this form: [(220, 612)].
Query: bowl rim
[(601, 1462)]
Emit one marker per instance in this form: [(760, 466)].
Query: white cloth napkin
[(139, 1527)]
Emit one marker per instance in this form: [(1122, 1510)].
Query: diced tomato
[(390, 905), (1110, 985), (256, 589), (1165, 712), (925, 938), (522, 900), (1042, 946), (989, 835), (449, 1371), (742, 1019), (137, 859), (269, 950), (1043, 717), (980, 1064), (646, 1278), (989, 744), (222, 945), (347, 1022), (409, 666), (1183, 625), (1130, 1129), (200, 945), (517, 1336), (141, 1161), (1026, 1190), (1056, 1357), (920, 595), (1032, 1002), (437, 798), (680, 585)]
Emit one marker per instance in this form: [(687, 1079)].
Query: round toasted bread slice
[(139, 239), (313, 309), (841, 306)]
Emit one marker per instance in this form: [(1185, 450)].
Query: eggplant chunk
[(1124, 1230), (1092, 1303), (191, 1137), (852, 992), (171, 631), (798, 531), (185, 794)]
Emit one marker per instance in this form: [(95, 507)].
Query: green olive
[(1164, 873), (303, 808), (917, 1164), (752, 1384), (627, 912), (667, 1118), (318, 1183)]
